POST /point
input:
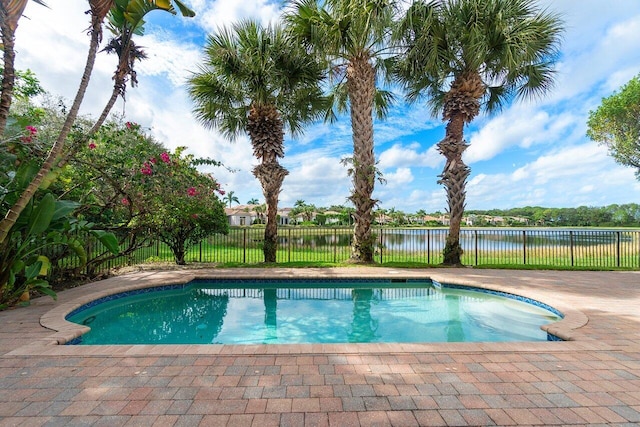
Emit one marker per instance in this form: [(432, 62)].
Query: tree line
[(624, 215)]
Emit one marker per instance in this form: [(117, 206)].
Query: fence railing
[(545, 247)]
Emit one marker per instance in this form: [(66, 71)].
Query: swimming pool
[(277, 311)]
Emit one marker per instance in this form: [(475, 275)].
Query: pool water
[(311, 311)]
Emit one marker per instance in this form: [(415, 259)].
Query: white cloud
[(410, 155), (322, 182), (399, 178), (213, 15), (168, 58), (571, 176)]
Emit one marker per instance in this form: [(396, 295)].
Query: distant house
[(245, 215), (241, 215), (333, 217), (283, 216), (429, 218)]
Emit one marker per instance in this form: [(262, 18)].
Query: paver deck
[(591, 379)]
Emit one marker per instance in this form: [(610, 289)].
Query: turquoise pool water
[(311, 311)]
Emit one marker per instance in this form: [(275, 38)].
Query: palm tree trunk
[(454, 178), (361, 87), (271, 175), (14, 212), (266, 131), (462, 105), (10, 12)]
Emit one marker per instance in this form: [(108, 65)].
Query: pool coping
[(63, 331)]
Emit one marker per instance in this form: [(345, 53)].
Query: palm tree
[(230, 198), (352, 35), (125, 20), (260, 210), (258, 80), (10, 14), (98, 11), (253, 201), (468, 55)]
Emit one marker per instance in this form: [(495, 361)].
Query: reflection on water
[(270, 298), (493, 238), (455, 331), (363, 326), (205, 314)]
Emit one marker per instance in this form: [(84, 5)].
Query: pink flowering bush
[(138, 186)]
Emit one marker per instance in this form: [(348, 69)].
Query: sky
[(532, 153)]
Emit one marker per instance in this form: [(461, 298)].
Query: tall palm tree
[(98, 11), (10, 13), (353, 36), (258, 80), (468, 55)]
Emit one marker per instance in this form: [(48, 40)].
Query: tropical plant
[(131, 185), (45, 229), (353, 37), (468, 55), (616, 124), (253, 201), (258, 80), (260, 210), (303, 209), (133, 20), (230, 197), (183, 207), (10, 13), (98, 10), (126, 19)]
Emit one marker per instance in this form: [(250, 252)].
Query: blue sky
[(532, 153)]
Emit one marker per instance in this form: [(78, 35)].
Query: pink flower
[(32, 133), (221, 192), (92, 146), (146, 169), (194, 216), (125, 201), (153, 160), (191, 191), (165, 157)]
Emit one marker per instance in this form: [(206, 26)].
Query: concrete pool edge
[(64, 331)]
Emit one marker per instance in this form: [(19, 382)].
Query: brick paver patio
[(592, 379)]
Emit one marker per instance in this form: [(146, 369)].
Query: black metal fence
[(483, 246)]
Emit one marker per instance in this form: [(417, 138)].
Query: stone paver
[(591, 379)]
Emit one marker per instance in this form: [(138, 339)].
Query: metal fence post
[(335, 245), (244, 245), (524, 247), (571, 246), (475, 232), (617, 249)]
